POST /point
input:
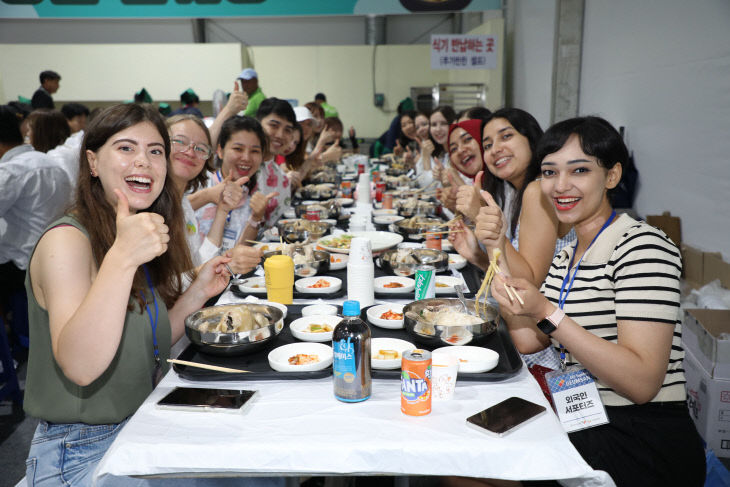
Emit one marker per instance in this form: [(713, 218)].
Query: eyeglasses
[(181, 143)]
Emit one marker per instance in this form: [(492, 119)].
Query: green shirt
[(254, 100), (118, 392), (329, 110)]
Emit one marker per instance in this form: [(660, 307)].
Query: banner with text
[(463, 51), (114, 9)]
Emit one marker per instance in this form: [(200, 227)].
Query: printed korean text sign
[(463, 51)]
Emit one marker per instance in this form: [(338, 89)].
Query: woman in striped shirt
[(612, 301)]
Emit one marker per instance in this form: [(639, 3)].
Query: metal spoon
[(235, 281), (460, 294)]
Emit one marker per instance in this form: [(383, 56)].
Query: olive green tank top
[(118, 392)]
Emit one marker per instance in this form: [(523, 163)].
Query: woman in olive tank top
[(105, 295)]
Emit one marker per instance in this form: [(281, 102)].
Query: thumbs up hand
[(231, 195), (259, 202), (140, 237), (468, 200), (490, 224), (238, 101)]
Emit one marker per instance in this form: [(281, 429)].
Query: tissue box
[(700, 332), (709, 405)]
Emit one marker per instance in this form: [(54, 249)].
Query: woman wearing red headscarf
[(465, 155)]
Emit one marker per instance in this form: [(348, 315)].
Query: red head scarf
[(474, 128)]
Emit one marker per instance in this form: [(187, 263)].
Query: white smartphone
[(505, 416), (219, 400)]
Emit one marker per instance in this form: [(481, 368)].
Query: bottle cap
[(351, 308)]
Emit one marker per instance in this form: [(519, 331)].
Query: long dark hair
[(405, 141), (199, 180), (525, 124), (49, 128), (98, 217), (450, 117), (243, 124), (295, 160)]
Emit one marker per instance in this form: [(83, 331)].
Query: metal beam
[(567, 59)]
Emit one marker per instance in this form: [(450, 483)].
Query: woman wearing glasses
[(105, 296)]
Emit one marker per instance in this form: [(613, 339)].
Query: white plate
[(374, 313), (410, 245), (282, 307), (279, 357), (378, 344), (268, 246), (338, 261), (345, 201), (472, 360), (387, 219), (302, 285), (456, 262), (385, 211), (319, 309), (408, 284), (290, 213), (449, 281), (379, 241), (253, 285), (299, 326)]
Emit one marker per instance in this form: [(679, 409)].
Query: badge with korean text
[(576, 399)]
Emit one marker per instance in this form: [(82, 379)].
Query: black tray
[(258, 364)]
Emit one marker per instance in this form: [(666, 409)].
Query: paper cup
[(444, 368)]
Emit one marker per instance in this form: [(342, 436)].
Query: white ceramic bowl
[(456, 262), (385, 211), (345, 201), (303, 285), (472, 360), (268, 246), (338, 261), (282, 307), (446, 245), (279, 357), (299, 327), (387, 219), (408, 284), (447, 284), (378, 344), (253, 285), (319, 309), (374, 314)]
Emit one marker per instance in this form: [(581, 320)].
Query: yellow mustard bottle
[(279, 275)]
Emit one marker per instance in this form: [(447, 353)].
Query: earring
[(93, 174)]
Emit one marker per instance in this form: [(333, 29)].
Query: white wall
[(662, 69), (532, 63)]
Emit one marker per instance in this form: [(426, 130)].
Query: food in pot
[(448, 317), (233, 319)]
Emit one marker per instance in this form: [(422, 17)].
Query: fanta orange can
[(415, 382)]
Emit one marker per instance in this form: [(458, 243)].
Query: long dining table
[(297, 428)]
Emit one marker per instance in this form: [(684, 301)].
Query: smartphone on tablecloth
[(505, 416), (217, 400)]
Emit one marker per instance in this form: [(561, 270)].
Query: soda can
[(360, 168), (433, 241), (425, 282), (312, 215), (415, 382), (388, 201)]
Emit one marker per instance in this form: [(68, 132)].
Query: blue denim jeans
[(67, 453)]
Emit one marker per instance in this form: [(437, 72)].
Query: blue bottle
[(351, 364)]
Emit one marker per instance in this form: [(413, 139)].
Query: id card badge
[(576, 399), (230, 237)]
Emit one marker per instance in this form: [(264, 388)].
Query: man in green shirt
[(329, 110), (250, 84)]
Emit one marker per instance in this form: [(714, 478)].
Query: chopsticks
[(445, 232), (206, 366), (257, 242)]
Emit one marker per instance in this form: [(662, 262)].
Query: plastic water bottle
[(351, 364)]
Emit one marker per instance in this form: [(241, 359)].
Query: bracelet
[(254, 222)]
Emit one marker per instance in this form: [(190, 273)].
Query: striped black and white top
[(631, 272)]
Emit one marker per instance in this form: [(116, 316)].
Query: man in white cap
[(306, 120), (250, 84)]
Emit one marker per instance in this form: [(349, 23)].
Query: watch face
[(546, 326)]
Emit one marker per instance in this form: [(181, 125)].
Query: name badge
[(576, 399), (229, 238)]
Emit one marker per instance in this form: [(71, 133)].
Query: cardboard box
[(699, 268), (700, 332), (671, 225), (709, 405)]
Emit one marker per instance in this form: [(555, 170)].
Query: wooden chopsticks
[(207, 367)]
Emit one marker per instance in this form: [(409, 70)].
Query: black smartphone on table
[(194, 399), (505, 416)]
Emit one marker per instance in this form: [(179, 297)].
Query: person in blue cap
[(250, 84), (189, 101)]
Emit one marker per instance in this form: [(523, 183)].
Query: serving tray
[(258, 364)]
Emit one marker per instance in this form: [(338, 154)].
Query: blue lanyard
[(153, 323), (567, 280), (220, 178)]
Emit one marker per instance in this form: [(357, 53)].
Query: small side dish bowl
[(407, 284), (319, 309), (387, 353), (374, 314), (472, 360), (279, 357), (253, 285), (302, 328), (326, 285)]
